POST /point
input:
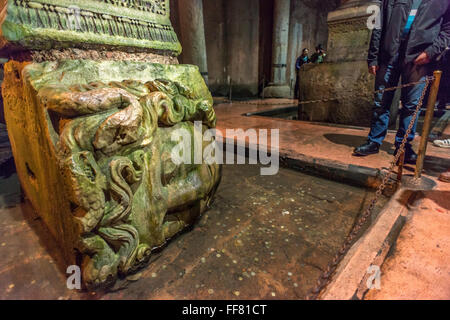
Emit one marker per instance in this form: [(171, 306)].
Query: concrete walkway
[(323, 148), (419, 266), (267, 237)]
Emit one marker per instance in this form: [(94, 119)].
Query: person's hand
[(373, 69), (422, 59)]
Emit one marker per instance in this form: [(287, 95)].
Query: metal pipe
[(427, 123)]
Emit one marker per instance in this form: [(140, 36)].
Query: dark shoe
[(410, 155), (367, 149), (445, 177)]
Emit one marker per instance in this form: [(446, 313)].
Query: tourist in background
[(303, 59), (412, 35), (319, 55)]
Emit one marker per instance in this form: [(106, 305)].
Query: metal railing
[(327, 275), (398, 160)]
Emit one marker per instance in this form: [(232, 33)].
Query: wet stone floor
[(265, 237)]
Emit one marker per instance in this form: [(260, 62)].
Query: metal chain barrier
[(327, 275), (294, 101)]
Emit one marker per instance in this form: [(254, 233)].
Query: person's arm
[(374, 48), (297, 64), (443, 40)]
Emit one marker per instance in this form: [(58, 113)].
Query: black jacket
[(429, 33)]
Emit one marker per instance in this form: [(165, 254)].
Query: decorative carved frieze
[(134, 25), (351, 25), (154, 6)]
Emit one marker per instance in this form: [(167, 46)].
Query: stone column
[(193, 34), (278, 86), (72, 190)]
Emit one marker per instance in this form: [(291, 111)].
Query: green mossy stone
[(88, 24), (78, 72)]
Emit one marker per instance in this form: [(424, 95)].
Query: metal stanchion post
[(427, 124), (411, 183)]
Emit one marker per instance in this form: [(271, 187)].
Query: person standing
[(319, 55), (301, 60), (412, 35)]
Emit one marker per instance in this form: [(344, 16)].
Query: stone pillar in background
[(349, 34), (193, 34), (279, 88)]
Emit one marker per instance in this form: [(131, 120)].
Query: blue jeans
[(388, 76)]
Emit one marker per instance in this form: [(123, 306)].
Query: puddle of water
[(265, 237), (291, 113)]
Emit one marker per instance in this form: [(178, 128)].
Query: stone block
[(128, 25), (344, 77), (350, 87), (92, 145)]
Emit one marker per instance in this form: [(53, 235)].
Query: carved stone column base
[(277, 91), (93, 141)]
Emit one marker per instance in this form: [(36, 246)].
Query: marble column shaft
[(192, 31), (280, 41)]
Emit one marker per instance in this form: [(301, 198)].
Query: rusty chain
[(376, 91), (326, 276), (294, 101)]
